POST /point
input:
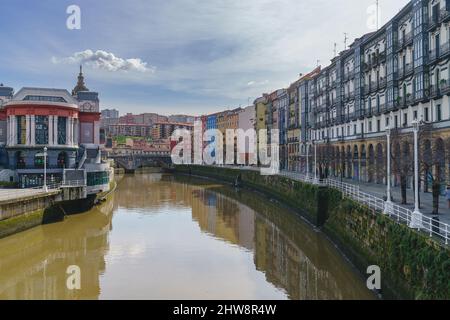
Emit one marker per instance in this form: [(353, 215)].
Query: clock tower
[(87, 100)]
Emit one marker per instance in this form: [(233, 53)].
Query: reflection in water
[(177, 238)]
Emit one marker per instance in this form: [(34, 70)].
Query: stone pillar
[(28, 126), (13, 130), (33, 130), (68, 131), (55, 130), (96, 132), (76, 134), (72, 131), (10, 131), (50, 130)]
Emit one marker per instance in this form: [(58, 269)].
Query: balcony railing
[(349, 75), (348, 96), (406, 70), (444, 87), (445, 49), (433, 22), (405, 101), (435, 91), (444, 15), (406, 40)]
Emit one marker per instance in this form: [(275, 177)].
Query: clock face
[(87, 107)]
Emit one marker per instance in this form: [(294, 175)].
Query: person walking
[(447, 193)]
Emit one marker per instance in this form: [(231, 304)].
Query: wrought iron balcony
[(365, 67), (406, 70), (404, 102), (444, 87), (435, 92), (405, 40), (445, 50), (444, 15), (433, 22), (349, 75), (433, 55)]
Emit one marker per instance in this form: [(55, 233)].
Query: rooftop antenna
[(378, 13), (318, 62), (345, 40), (335, 49)]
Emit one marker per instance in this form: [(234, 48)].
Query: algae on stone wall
[(412, 265)]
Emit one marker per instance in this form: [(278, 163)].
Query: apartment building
[(388, 78)]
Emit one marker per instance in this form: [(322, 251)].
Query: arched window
[(20, 160), (39, 160), (62, 160)]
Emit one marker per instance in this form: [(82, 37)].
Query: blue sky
[(176, 56)]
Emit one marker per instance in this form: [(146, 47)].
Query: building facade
[(67, 126), (388, 78)]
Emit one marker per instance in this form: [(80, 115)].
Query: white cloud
[(103, 60)]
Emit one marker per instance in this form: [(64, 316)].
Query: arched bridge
[(135, 161)]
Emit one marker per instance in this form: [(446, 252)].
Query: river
[(166, 237)]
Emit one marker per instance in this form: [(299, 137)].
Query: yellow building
[(228, 120)]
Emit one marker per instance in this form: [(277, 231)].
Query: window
[(427, 117), (97, 178), (21, 130), (387, 122), (396, 121), (62, 134), (370, 126), (438, 113), (378, 125), (41, 130), (62, 159), (44, 98), (405, 119)]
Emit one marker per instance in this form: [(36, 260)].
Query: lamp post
[(416, 218), (45, 169), (315, 162), (388, 206), (307, 161)]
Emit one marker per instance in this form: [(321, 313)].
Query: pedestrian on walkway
[(447, 193)]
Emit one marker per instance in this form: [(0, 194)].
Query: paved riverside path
[(379, 190), (12, 194)]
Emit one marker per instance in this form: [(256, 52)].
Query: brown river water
[(165, 237)]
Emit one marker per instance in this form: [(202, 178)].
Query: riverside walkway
[(13, 194), (379, 191), (373, 195)]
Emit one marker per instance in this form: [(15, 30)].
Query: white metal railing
[(7, 194), (74, 183), (398, 213)]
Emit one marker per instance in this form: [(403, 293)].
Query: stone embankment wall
[(413, 266)]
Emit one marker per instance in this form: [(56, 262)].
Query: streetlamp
[(416, 218), (315, 162), (45, 169), (307, 160), (388, 206)]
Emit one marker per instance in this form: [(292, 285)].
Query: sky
[(177, 56)]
